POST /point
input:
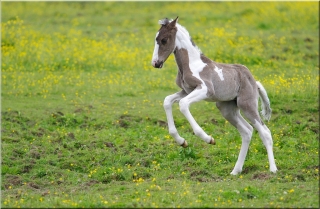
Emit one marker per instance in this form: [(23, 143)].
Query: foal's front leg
[(167, 104), (195, 96)]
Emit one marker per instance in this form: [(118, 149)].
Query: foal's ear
[(173, 22)]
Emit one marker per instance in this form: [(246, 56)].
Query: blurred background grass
[(82, 106)]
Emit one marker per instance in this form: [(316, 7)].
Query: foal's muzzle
[(158, 64)]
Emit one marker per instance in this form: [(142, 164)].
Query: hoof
[(273, 170), (212, 141), (234, 173), (185, 144)]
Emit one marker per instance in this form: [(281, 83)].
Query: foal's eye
[(164, 41)]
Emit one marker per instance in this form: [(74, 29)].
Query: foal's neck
[(187, 54), (183, 40)]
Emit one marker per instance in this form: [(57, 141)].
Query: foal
[(231, 86)]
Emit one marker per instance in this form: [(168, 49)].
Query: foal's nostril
[(158, 64)]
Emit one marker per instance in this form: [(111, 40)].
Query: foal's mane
[(182, 29)]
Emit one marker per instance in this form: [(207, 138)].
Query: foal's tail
[(265, 103)]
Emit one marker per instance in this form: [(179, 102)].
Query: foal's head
[(165, 42)]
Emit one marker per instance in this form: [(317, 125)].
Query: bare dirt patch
[(261, 176)]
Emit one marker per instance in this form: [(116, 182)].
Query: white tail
[(265, 103)]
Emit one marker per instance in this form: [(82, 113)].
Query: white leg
[(195, 96), (167, 104), (250, 110), (231, 112), (266, 137), (246, 135)]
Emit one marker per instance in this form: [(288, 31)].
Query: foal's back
[(226, 82)]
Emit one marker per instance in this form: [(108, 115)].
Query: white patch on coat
[(195, 63), (155, 52), (219, 71)]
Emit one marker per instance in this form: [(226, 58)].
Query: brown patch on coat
[(206, 75), (168, 33)]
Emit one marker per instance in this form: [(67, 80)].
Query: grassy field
[(82, 122)]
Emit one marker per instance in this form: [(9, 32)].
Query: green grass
[(82, 122)]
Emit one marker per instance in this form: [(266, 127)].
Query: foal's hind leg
[(250, 110), (231, 112)]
